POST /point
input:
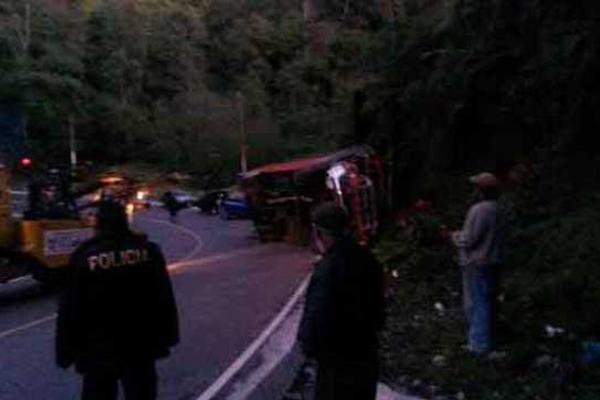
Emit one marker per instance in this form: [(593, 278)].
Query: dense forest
[(171, 83), (441, 88), (436, 86)]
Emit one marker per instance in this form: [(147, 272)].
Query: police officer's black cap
[(331, 219), (111, 217)]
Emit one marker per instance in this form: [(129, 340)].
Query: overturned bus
[(283, 195)]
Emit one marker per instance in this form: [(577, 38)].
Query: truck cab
[(41, 242)]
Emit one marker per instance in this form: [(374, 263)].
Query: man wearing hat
[(344, 311), (117, 315), (481, 245)]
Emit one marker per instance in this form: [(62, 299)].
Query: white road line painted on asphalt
[(238, 364), (29, 325), (271, 355), (20, 279), (189, 232), (215, 257)]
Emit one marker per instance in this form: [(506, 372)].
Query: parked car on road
[(153, 202), (235, 205), (183, 198), (209, 203)]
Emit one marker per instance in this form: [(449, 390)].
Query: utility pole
[(243, 135), (72, 142), (24, 35)]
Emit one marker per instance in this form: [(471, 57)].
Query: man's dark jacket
[(344, 309), (118, 306)]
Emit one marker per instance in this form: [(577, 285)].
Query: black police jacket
[(344, 307), (118, 305)]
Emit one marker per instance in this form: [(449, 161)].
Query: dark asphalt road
[(227, 291)]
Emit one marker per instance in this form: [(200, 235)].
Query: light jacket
[(480, 241)]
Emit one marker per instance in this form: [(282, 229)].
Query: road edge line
[(241, 361), (197, 238), (28, 325), (19, 279)]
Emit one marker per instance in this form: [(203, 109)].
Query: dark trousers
[(139, 382), (173, 215), (346, 380)]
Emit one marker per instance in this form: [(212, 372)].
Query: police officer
[(117, 315), (343, 312)]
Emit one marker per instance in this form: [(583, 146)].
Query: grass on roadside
[(552, 280)]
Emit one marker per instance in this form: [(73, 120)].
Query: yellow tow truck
[(40, 242)]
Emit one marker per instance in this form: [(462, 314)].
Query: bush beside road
[(548, 313)]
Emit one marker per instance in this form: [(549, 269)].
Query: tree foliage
[(161, 81), (436, 85)]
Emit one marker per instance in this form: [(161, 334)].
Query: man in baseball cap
[(485, 180), (480, 244)]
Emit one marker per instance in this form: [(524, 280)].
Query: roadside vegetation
[(548, 311)]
